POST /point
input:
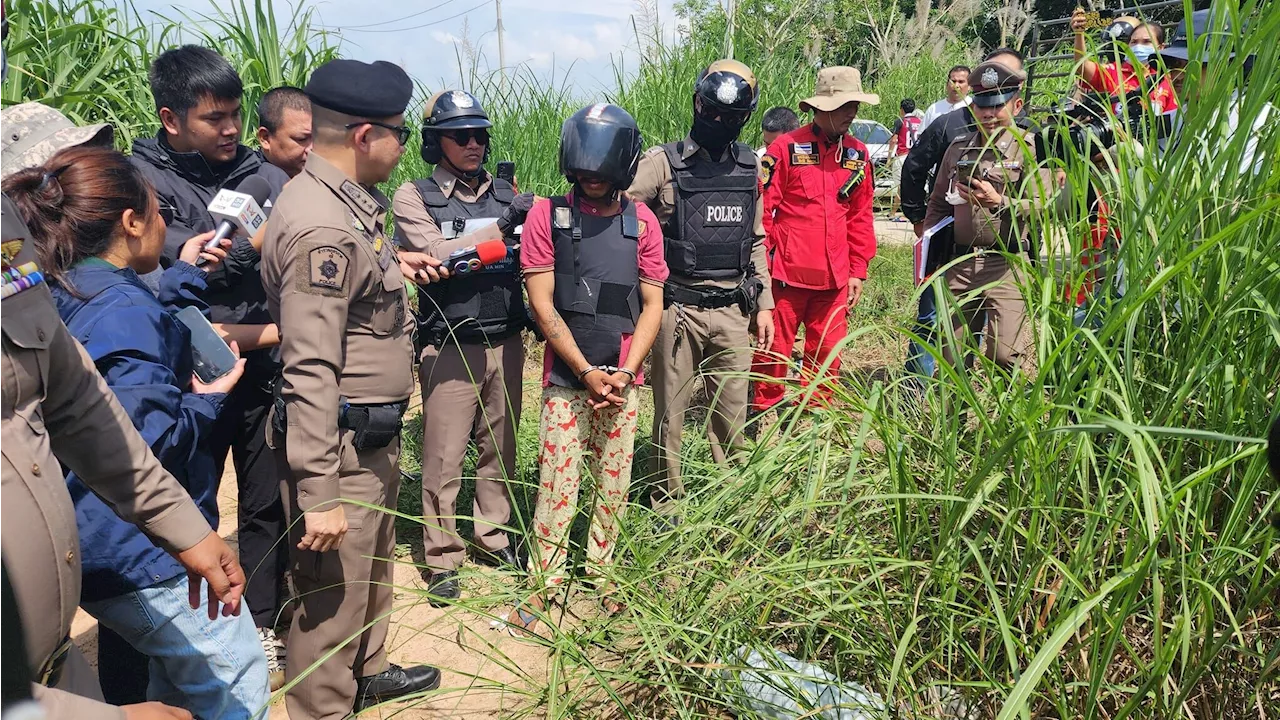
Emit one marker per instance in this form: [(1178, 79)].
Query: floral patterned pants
[(574, 437)]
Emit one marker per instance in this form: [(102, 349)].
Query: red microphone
[(471, 259)]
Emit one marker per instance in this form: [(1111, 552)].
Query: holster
[(373, 426), (749, 293), (279, 420)]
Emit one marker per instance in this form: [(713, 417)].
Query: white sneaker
[(273, 648)]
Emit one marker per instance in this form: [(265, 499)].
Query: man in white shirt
[(957, 95)]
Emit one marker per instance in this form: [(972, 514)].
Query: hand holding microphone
[(238, 210)]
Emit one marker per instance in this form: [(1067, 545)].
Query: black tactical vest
[(710, 234), (483, 306), (597, 289)]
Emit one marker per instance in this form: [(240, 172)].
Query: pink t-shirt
[(538, 252)]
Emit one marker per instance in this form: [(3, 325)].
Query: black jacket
[(188, 182), (925, 156)]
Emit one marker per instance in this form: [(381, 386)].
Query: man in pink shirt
[(594, 268)]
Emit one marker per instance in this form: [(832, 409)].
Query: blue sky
[(579, 39)]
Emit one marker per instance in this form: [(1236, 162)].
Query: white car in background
[(877, 138)]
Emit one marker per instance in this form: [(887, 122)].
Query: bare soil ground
[(486, 670)]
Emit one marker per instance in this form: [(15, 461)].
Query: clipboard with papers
[(920, 250)]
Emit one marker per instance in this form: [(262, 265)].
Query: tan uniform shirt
[(420, 229), (56, 407), (334, 287), (1009, 166), (655, 186)]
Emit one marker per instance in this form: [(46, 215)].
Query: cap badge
[(990, 78), (461, 99), (727, 92)]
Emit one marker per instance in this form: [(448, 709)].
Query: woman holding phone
[(97, 225)]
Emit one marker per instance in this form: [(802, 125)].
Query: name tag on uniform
[(803, 154), (723, 215), (853, 160), (1011, 165)]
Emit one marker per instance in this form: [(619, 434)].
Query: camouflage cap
[(33, 133)]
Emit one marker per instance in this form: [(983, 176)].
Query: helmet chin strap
[(444, 160)]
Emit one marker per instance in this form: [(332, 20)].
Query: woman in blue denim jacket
[(98, 224)]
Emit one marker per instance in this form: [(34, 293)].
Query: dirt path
[(462, 644)]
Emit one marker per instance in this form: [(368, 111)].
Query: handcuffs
[(609, 369)]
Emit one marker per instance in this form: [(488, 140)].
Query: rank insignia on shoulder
[(328, 268), (10, 249), (563, 218)]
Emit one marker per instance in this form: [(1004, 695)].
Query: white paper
[(920, 250)]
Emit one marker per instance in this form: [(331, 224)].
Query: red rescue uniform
[(820, 232)]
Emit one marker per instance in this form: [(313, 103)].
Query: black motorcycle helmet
[(727, 88), (1116, 35), (450, 110), (604, 140)]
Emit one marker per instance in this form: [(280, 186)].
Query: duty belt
[(439, 337), (708, 299)]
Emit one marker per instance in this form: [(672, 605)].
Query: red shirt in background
[(816, 239), (1112, 78), (538, 252)]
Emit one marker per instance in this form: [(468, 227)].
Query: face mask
[(713, 135), (1142, 53)]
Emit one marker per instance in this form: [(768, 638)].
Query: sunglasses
[(462, 137), (402, 131), (167, 212)]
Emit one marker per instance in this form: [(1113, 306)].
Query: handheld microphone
[(480, 255), (239, 209)]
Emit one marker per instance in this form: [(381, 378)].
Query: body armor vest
[(483, 306), (710, 234), (597, 290)]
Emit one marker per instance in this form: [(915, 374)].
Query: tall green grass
[(1087, 542), (90, 59)]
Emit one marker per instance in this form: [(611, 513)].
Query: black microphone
[(239, 209)]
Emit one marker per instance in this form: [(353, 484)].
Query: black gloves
[(515, 213)]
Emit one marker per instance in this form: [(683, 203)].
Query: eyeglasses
[(167, 212), (402, 131), (462, 137)]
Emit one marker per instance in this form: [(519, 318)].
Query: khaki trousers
[(468, 390), (345, 596), (990, 297), (693, 341)]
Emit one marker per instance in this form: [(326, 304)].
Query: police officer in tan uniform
[(988, 182), (704, 192), (56, 408), (335, 289), (470, 329)]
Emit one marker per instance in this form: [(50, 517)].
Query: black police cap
[(374, 90)]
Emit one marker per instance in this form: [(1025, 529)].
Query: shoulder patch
[(767, 164), (323, 271), (642, 225), (359, 196)]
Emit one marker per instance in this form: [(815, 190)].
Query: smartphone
[(210, 354), (506, 170), (966, 170)]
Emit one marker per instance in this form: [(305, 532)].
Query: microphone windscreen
[(491, 251), (255, 187)]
